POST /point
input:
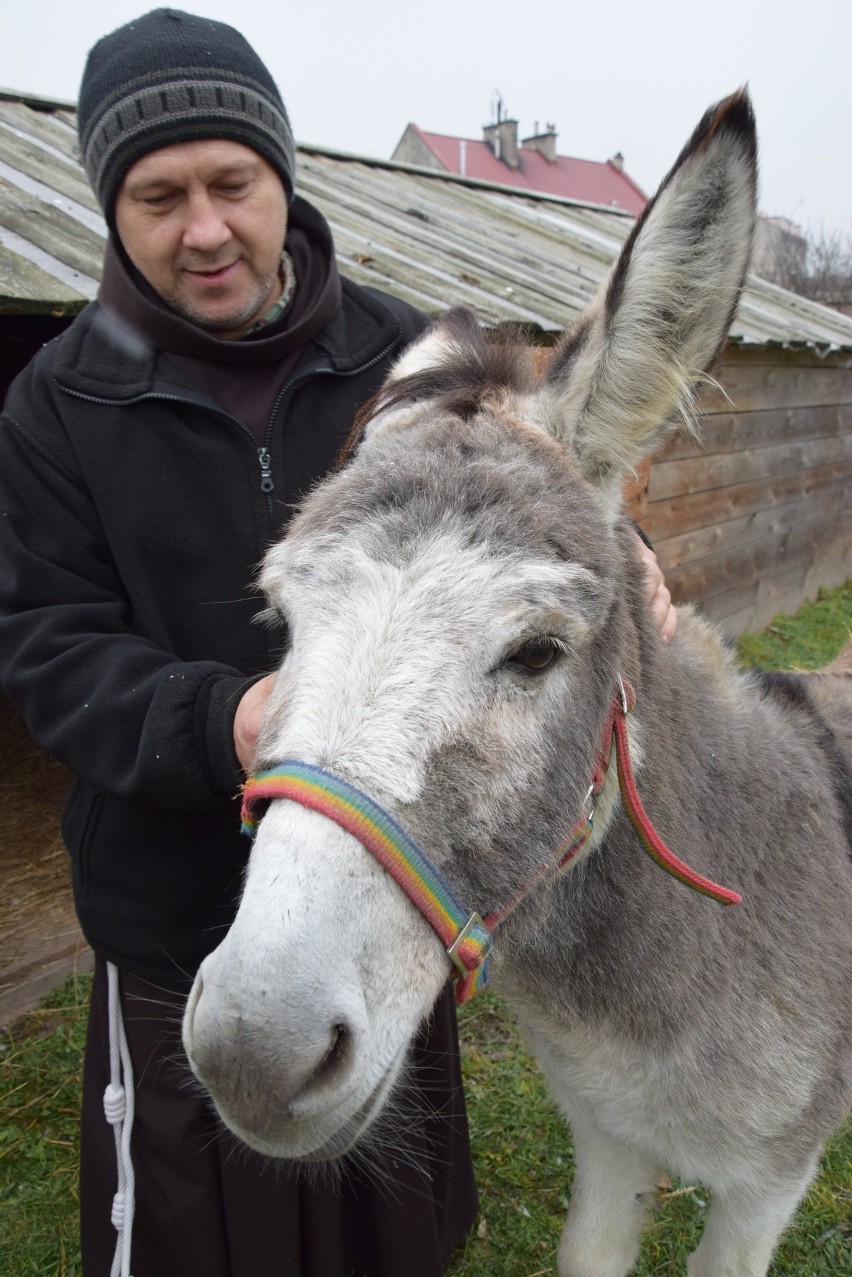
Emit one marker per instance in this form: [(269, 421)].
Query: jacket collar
[(104, 355)]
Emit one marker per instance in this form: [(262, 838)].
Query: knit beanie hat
[(172, 77)]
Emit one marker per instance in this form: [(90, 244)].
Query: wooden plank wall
[(756, 517)]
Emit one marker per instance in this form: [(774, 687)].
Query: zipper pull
[(265, 460)]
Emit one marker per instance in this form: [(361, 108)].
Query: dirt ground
[(842, 664), (40, 942)]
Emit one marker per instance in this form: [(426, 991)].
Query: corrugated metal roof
[(433, 239)]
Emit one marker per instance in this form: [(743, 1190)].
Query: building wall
[(755, 518), (411, 149), (779, 249)]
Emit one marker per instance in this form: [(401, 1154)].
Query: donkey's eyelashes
[(534, 656)]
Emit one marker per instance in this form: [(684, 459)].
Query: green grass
[(40, 1085), (807, 640), (522, 1151), (522, 1148)]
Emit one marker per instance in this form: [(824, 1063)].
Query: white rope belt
[(119, 1110)]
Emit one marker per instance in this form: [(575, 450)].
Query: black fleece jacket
[(133, 514)]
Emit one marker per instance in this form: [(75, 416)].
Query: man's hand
[(662, 610), (248, 718)]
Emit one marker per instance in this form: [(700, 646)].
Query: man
[(147, 458)]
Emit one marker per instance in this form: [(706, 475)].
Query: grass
[(807, 640), (40, 1085), (522, 1148)]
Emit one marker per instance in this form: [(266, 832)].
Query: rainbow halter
[(466, 935)]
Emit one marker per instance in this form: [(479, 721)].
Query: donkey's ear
[(625, 375)]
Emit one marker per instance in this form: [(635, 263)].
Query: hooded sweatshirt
[(140, 485)]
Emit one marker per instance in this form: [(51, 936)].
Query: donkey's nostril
[(333, 1066), (337, 1055)]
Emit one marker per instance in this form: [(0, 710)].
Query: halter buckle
[(452, 950), (590, 802)]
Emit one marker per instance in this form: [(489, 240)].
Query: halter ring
[(452, 950)]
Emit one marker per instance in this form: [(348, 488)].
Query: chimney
[(502, 138), (617, 161), (544, 143)]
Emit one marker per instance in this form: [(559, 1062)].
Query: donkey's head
[(460, 601)]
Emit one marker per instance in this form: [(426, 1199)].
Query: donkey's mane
[(474, 366)]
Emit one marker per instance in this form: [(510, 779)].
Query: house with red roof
[(531, 164)]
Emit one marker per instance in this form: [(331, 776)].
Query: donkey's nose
[(263, 1058)]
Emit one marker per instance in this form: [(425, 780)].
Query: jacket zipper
[(263, 453), (265, 458)]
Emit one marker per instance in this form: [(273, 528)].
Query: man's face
[(204, 222)]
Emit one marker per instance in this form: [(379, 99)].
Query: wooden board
[(834, 504), (749, 388), (671, 479), (714, 506), (52, 230), (808, 543), (753, 607), (47, 126), (732, 432), (26, 289), (64, 178)]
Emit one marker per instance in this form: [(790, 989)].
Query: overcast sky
[(613, 75)]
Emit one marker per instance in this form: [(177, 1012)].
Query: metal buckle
[(590, 801), (625, 707), (473, 921)]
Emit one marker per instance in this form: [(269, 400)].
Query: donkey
[(469, 633)]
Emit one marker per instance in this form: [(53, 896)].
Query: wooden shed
[(51, 229), (757, 516)]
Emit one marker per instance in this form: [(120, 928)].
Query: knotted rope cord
[(466, 936), (119, 1108)]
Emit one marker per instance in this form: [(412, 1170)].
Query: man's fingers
[(662, 609), (248, 720)]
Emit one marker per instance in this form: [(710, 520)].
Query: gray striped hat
[(172, 77)]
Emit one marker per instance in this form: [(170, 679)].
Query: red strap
[(651, 840)]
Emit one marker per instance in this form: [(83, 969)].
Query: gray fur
[(716, 1042)]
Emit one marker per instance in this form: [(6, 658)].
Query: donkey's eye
[(535, 656)]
